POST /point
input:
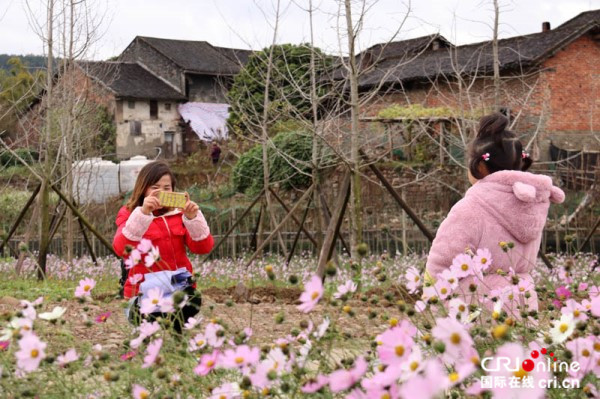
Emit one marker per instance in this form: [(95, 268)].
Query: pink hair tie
[(486, 156), (524, 155)]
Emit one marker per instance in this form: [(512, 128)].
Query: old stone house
[(550, 84), (145, 87)]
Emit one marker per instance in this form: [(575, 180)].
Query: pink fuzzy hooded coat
[(509, 206)]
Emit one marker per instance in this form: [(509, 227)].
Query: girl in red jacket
[(169, 230)]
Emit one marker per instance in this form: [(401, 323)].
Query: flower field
[(377, 328)]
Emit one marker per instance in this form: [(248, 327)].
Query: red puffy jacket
[(170, 235)]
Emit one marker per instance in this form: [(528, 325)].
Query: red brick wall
[(574, 88)]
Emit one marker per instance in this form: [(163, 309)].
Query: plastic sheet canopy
[(207, 120)]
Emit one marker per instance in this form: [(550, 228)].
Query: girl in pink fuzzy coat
[(505, 204)]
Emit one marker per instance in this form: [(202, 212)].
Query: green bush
[(28, 155), (290, 171)]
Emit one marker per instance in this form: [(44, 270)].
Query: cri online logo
[(528, 364)]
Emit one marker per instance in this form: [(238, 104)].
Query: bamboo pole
[(279, 226)]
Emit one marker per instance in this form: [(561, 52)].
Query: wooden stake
[(590, 234), (84, 221), (300, 230), (222, 240), (397, 197), (334, 224), (87, 242), (285, 207), (20, 217), (279, 226)]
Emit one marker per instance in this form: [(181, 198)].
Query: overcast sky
[(249, 23)]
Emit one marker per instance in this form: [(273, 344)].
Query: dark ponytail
[(497, 147)]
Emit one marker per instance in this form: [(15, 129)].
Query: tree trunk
[(355, 192), (496, 57)]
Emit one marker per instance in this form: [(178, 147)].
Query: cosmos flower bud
[(362, 249)]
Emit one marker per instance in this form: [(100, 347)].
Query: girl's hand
[(191, 208), (151, 203)]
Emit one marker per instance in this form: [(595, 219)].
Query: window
[(131, 104), (135, 128), (167, 106), (153, 109)]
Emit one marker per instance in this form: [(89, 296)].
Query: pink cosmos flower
[(152, 257), (103, 317), (4, 345), (594, 291), (382, 379), (127, 356), (226, 391), (449, 276), (207, 363), (427, 385), (212, 333), (482, 259), (155, 302), (85, 288), (240, 357), (443, 289), (582, 287), (413, 279), (575, 309), (463, 266), (144, 246), (461, 372), (313, 291), (192, 322), (70, 356), (420, 306), (260, 378), (315, 385), (30, 353), (395, 344), (563, 293), (456, 338), (341, 380), (197, 343), (584, 354), (595, 306), (458, 309), (139, 392), (152, 352), (136, 278), (345, 289), (28, 310), (529, 387), (134, 259)]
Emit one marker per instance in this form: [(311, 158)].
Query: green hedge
[(247, 173), (28, 155)]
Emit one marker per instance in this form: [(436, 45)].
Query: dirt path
[(258, 311)]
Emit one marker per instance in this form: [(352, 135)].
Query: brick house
[(550, 82)]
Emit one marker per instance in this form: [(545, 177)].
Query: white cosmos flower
[(563, 328), (56, 313)]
